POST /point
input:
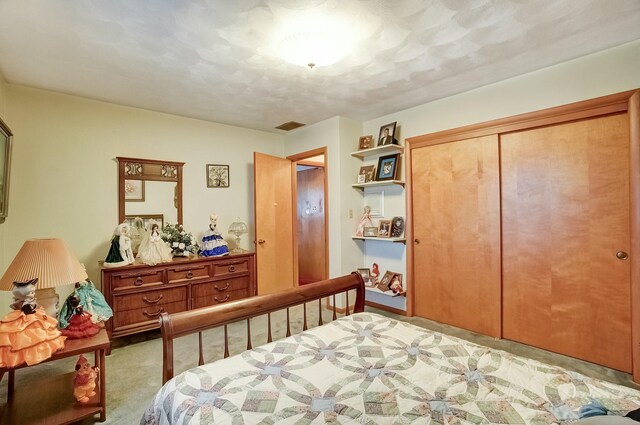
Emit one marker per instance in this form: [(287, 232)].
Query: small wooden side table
[(50, 400)]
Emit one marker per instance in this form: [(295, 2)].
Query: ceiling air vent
[(291, 125)]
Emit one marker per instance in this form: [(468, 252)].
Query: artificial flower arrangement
[(181, 242)]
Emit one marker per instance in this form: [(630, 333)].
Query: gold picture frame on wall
[(6, 141)]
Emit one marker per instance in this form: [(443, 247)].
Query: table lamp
[(52, 263), (238, 228)]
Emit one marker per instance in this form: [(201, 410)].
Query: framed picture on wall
[(370, 232), (384, 229), (368, 173), (374, 198), (217, 175), (134, 190), (387, 135), (387, 167), (365, 142)]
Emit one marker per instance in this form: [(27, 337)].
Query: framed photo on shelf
[(365, 142), (366, 276), (368, 172), (370, 232), (387, 135), (384, 229), (397, 227), (391, 282), (134, 190), (217, 175), (387, 167)]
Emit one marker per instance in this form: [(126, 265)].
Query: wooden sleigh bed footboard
[(196, 321)]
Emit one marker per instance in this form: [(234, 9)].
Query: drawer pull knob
[(152, 301), (139, 281), (189, 274), (222, 289), (156, 314), (232, 268), (223, 299)]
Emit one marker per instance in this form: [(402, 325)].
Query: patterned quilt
[(369, 369)]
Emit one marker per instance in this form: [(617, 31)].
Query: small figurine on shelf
[(365, 221), (79, 324), (91, 300), (153, 249), (27, 334), (213, 245), (84, 382), (120, 253), (375, 272)]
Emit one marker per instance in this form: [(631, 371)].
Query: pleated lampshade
[(47, 259)]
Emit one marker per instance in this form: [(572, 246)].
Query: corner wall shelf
[(378, 183), (375, 238), (378, 150), (387, 293)]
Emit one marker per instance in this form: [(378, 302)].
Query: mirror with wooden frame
[(149, 188)]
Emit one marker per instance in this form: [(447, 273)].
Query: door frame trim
[(301, 158), (624, 102)]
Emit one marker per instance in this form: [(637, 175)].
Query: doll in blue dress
[(91, 300), (213, 245)]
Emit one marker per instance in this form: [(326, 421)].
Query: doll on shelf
[(120, 253), (84, 381), (213, 245), (365, 221), (27, 334), (91, 300), (79, 321), (153, 249)]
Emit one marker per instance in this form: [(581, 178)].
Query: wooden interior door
[(311, 225), (274, 223), (456, 221), (565, 206)]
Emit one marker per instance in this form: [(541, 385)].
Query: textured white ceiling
[(215, 59)]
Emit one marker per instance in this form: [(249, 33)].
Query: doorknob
[(417, 241), (621, 255), (261, 241)]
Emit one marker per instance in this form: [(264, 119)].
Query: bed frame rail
[(189, 322)]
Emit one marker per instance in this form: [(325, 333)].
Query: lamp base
[(48, 299)]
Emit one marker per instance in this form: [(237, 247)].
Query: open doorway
[(311, 221)]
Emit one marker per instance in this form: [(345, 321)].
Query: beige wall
[(64, 175)]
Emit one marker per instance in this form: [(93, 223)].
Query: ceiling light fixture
[(312, 49)]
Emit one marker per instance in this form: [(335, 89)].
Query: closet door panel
[(565, 215), (456, 209)]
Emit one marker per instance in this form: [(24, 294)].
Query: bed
[(363, 368)]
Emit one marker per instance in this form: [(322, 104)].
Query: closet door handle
[(261, 241), (621, 255), (417, 241)]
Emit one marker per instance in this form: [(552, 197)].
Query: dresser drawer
[(145, 299), (138, 315), (219, 298), (136, 279), (183, 273), (219, 286), (228, 267)]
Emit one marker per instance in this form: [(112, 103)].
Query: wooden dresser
[(139, 293)]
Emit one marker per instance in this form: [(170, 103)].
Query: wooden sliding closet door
[(456, 210), (565, 207)]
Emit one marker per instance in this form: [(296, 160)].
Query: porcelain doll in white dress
[(153, 249)]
